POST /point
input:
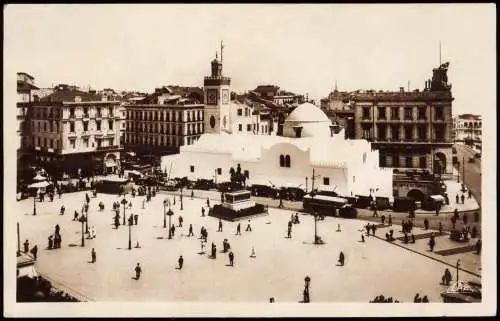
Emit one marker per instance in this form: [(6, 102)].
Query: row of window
[(192, 129), (408, 132), (85, 125), (467, 125), (407, 161), (408, 113), (191, 115), (97, 143), (248, 112), (168, 141), (86, 113), (253, 127), (53, 127)]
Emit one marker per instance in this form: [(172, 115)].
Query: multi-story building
[(161, 127), (75, 132), (276, 96), (25, 96), (467, 128), (411, 130)]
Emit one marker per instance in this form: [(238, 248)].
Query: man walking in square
[(220, 226), (238, 229), (138, 271), (231, 258), (181, 262), (190, 230)]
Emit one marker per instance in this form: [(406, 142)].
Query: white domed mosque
[(347, 167)]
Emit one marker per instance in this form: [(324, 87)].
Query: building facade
[(161, 129), (75, 132), (25, 97), (467, 127), (412, 130)]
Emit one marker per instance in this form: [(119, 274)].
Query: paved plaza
[(278, 270)]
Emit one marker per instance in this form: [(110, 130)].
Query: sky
[(301, 48)]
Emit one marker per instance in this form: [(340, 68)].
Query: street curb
[(430, 257)]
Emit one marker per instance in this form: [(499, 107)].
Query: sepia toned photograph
[(249, 160)]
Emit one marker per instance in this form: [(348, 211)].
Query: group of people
[(418, 299), (383, 299), (370, 227), (55, 239)]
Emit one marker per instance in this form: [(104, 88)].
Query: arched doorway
[(439, 163), (110, 163), (416, 195)]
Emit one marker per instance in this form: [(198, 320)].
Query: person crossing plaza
[(238, 229), (93, 255), (180, 221), (249, 228), (220, 226), (181, 262), (190, 230), (231, 258), (138, 271)]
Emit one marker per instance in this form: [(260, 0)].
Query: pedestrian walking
[(136, 218), (432, 242), (446, 279), (181, 262), (26, 246), (462, 198), (249, 228), (34, 251), (238, 229), (202, 211), (382, 218), (51, 243), (192, 194), (208, 202), (180, 221), (190, 230), (62, 210), (172, 228), (341, 258), (478, 246), (93, 255), (138, 271), (426, 224), (362, 238), (440, 228), (92, 232), (220, 226), (373, 229), (338, 228), (457, 198), (231, 258)]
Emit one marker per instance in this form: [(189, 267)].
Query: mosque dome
[(307, 120), (307, 112)]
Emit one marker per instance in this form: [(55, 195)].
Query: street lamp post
[(170, 213), (165, 213), (34, 203), (130, 234), (82, 219), (181, 199), (124, 202), (458, 264), (306, 183), (86, 220)]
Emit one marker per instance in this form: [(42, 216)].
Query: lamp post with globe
[(170, 213), (124, 202), (165, 202)]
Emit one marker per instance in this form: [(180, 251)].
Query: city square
[(277, 270)]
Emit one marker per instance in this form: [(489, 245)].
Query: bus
[(327, 205)]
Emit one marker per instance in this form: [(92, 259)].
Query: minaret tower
[(217, 97)]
